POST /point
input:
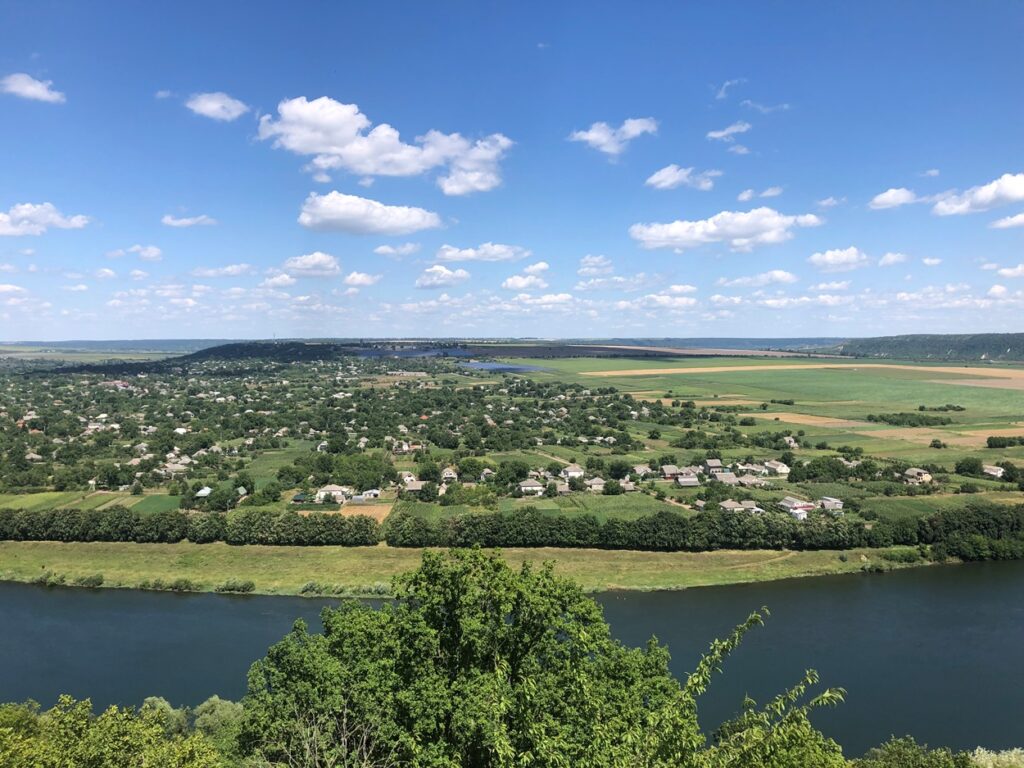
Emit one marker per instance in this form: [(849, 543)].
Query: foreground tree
[(70, 736), (475, 664)]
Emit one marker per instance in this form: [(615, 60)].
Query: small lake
[(495, 367), (934, 652)]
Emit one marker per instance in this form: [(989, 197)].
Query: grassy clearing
[(284, 570)]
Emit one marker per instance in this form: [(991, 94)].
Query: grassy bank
[(284, 570)]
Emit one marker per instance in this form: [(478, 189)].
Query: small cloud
[(162, 94), (361, 279), (282, 280), (138, 274), (27, 87), (439, 276), (830, 202), (1017, 271), (216, 106), (723, 90), (1008, 222), (672, 176), (105, 274), (730, 132), (614, 141), (839, 259), (77, 288), (763, 108), (316, 264), (890, 259), (893, 198), (231, 270), (931, 262), (594, 266), (998, 291), (146, 252), (524, 283), (536, 269), (405, 249), (745, 195), (931, 172), (484, 252), (738, 149), (201, 220)]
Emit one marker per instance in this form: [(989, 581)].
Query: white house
[(595, 484), (203, 492), (571, 471), (798, 508), (991, 471), (830, 504), (917, 476), (777, 468), (531, 488), (331, 493), (449, 475)]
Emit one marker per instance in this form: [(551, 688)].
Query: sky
[(510, 169)]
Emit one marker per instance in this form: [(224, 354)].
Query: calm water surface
[(936, 652)]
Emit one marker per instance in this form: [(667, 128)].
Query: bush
[(96, 580), (236, 585)]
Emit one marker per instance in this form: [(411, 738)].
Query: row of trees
[(242, 526), (980, 531)]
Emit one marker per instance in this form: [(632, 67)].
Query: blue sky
[(510, 169)]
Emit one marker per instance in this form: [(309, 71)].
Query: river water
[(934, 652)]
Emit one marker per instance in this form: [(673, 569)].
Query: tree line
[(979, 531)]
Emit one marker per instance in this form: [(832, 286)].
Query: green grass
[(157, 503), (283, 570), (39, 502)]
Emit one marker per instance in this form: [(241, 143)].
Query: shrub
[(236, 585), (96, 580)]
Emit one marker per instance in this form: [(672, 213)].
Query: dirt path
[(759, 563)]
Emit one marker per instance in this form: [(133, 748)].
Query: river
[(934, 652)]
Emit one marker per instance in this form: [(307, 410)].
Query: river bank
[(369, 570)]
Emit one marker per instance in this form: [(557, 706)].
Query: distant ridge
[(968, 347)]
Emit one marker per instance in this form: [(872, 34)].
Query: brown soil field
[(807, 419), (990, 383)]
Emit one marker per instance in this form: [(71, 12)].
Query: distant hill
[(965, 347)]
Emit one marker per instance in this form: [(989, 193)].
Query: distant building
[(531, 488)]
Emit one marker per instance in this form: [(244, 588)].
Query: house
[(669, 471), (571, 471), (991, 471), (595, 484), (759, 470), (203, 492), (486, 475), (531, 488), (415, 486), (641, 470), (449, 475), (830, 504), (242, 491), (798, 508), (331, 493), (321, 446), (400, 447), (777, 468), (687, 480), (751, 481), (712, 467), (747, 505), (628, 486), (563, 489), (728, 478), (917, 476), (33, 457), (791, 442)]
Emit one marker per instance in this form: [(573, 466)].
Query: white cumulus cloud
[(316, 264), (593, 266), (404, 249), (230, 270), (361, 279), (362, 216), (764, 278), (484, 252), (893, 198), (743, 231), (439, 276), (216, 106), (839, 259), (672, 176), (890, 259), (1008, 188), (201, 220), (36, 218), (340, 137), (613, 141), (1008, 222), (27, 87), (524, 283)]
